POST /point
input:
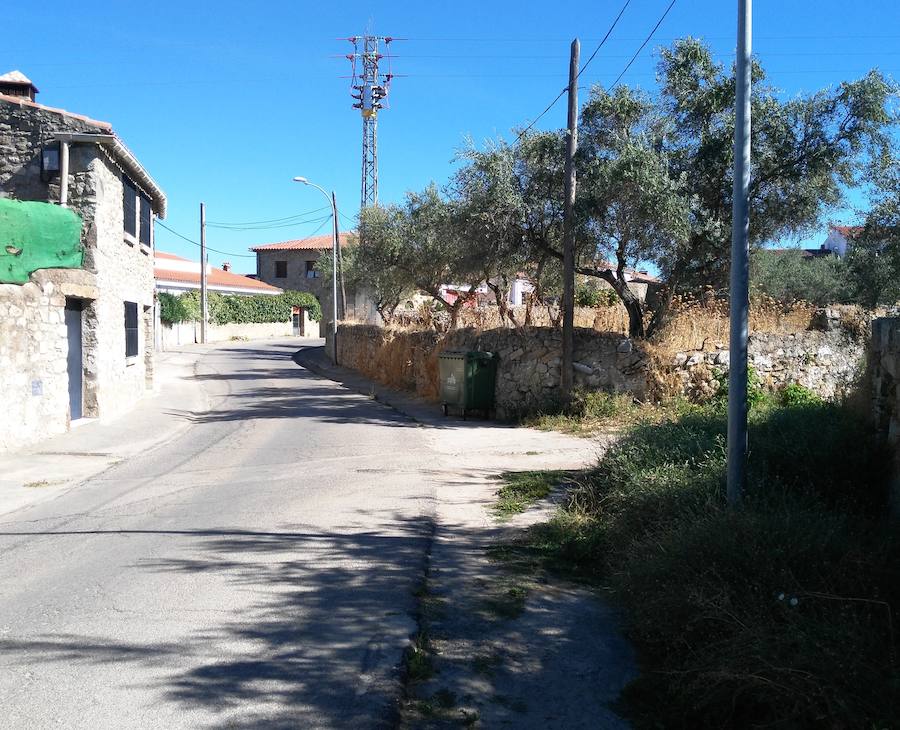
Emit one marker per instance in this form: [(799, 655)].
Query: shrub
[(591, 295), (756, 395), (794, 394), (779, 613)]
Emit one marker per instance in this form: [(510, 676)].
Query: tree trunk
[(632, 304)]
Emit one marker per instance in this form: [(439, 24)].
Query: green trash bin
[(467, 381)]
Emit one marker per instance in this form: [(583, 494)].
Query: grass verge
[(778, 614), (521, 489)]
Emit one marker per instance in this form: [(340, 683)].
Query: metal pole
[(568, 329), (740, 263), (340, 257), (204, 303), (334, 271)]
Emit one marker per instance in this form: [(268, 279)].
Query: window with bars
[(129, 206), (131, 329), (145, 220)]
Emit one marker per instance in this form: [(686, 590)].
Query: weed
[(419, 665), (445, 698), (521, 489), (508, 604), (38, 484), (487, 664), (795, 394), (782, 609)]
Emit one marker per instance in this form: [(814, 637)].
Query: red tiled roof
[(847, 231), (215, 277), (22, 101), (313, 243)]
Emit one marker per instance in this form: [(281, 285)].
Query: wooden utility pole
[(568, 304), (740, 265), (204, 304), (340, 257)]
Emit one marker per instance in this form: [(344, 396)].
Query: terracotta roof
[(215, 277), (313, 243), (22, 101), (847, 231)]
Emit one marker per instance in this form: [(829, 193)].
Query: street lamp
[(334, 251)]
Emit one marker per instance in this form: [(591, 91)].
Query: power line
[(566, 88), (644, 44), (189, 240), (270, 220), (292, 224)]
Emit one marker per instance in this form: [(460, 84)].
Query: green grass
[(521, 489), (779, 614)]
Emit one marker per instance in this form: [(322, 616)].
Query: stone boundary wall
[(884, 374), (528, 369), (828, 361)]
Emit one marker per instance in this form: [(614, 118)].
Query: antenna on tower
[(369, 87)]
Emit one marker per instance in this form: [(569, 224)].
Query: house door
[(297, 321), (74, 363)]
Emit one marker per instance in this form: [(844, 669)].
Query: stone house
[(291, 265), (76, 339)]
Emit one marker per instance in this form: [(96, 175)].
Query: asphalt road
[(256, 572)]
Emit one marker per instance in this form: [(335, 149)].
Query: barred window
[(131, 329), (145, 220), (129, 206)]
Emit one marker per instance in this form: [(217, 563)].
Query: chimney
[(15, 83), (226, 266)]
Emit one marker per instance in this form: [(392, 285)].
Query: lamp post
[(334, 266)]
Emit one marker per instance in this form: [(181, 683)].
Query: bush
[(789, 276), (591, 295), (234, 308), (779, 613), (794, 394), (172, 309)]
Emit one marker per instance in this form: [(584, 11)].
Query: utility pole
[(340, 256), (204, 303), (568, 303), (740, 264)]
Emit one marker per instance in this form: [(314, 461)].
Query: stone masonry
[(119, 271)]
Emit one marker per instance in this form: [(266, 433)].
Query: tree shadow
[(319, 645)]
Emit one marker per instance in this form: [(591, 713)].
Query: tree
[(873, 255), (416, 246), (790, 276), (633, 211), (807, 151)]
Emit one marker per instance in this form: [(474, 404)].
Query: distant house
[(76, 268), (292, 265), (837, 243), (175, 275)]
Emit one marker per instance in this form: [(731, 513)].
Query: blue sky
[(225, 102)]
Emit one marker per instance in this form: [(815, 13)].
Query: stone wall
[(829, 363), (528, 368), (34, 385), (827, 360), (884, 374)]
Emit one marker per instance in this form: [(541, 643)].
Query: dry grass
[(702, 324)]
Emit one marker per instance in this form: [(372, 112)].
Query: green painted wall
[(37, 236)]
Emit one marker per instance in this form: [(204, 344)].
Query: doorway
[(74, 359), (297, 321)]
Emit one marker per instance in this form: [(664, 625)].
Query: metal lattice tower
[(369, 87)]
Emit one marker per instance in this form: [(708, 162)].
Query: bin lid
[(452, 355)]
